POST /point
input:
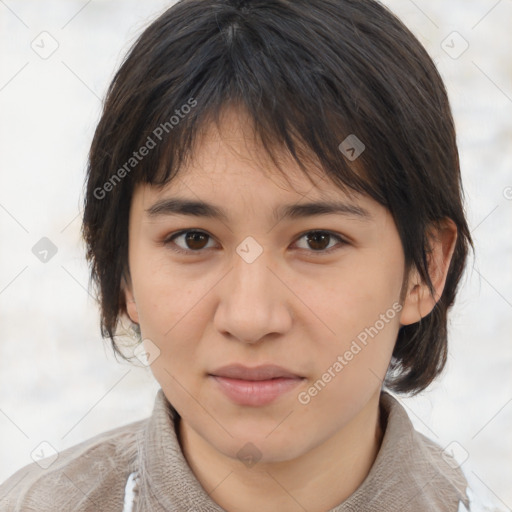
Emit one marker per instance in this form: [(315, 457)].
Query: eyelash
[(169, 241)]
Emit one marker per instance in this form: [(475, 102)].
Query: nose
[(254, 303)]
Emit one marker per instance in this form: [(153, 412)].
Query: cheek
[(170, 303), (167, 309), (163, 295), (353, 297), (359, 310)]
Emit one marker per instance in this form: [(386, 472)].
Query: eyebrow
[(179, 206)]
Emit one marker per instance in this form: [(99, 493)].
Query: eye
[(318, 240), (195, 241)]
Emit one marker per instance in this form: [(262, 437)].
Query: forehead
[(228, 153)]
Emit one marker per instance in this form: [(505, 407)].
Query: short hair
[(309, 73)]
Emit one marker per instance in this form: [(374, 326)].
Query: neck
[(317, 480)]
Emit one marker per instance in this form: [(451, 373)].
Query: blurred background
[(59, 381)]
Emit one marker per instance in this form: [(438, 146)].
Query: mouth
[(255, 386)]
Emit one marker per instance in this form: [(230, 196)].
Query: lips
[(264, 372), (256, 386)]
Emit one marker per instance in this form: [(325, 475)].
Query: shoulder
[(474, 496), (78, 478), (435, 479), (424, 475)]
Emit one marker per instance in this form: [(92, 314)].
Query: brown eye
[(319, 241), (193, 241)]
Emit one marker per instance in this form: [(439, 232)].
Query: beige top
[(409, 473)]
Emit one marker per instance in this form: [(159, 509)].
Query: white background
[(60, 383)]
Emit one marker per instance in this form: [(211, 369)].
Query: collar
[(409, 473)]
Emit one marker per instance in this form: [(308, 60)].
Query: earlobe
[(419, 302)]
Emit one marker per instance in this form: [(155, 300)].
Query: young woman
[(274, 201)]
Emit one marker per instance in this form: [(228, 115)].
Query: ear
[(131, 305), (418, 301)]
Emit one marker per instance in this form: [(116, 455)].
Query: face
[(315, 294)]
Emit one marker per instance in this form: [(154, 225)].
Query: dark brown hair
[(309, 73)]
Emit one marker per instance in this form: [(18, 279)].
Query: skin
[(292, 306)]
